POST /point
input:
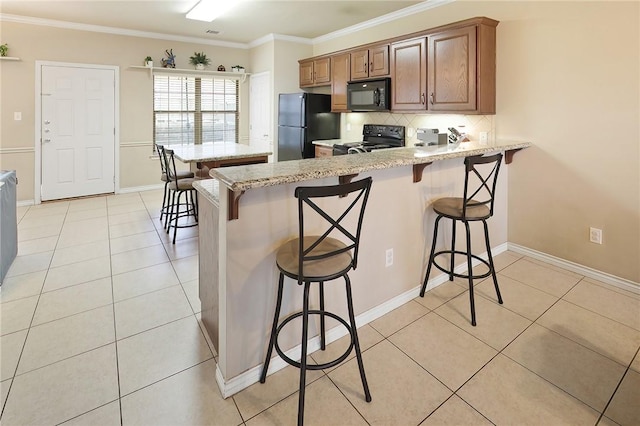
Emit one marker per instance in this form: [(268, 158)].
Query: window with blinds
[(188, 110)]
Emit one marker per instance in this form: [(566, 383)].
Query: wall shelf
[(230, 75), (9, 58)]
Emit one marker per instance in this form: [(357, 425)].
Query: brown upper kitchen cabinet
[(409, 75), (462, 69), (316, 72), (370, 63), (340, 67)]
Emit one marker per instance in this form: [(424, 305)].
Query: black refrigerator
[(302, 119)]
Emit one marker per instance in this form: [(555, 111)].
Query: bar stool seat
[(481, 176), (316, 258), (287, 258)]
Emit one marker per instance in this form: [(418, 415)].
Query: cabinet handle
[(422, 97), (370, 66), (431, 98)]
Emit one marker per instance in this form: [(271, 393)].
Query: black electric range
[(374, 137)]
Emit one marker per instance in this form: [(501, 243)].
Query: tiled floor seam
[(599, 314), (28, 330)]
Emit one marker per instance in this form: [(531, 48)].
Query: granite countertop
[(215, 151), (209, 188), (241, 178)]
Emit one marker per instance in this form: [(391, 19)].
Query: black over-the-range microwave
[(371, 95)]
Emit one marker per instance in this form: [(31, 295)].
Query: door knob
[(46, 140), (47, 130), (47, 122)]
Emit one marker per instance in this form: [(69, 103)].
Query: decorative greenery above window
[(193, 110)]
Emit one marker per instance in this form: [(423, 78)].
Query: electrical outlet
[(410, 132), (595, 235), (388, 261), (348, 127), (484, 137), (17, 116)]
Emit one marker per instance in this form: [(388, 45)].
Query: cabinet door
[(340, 67), (322, 70), (360, 64), (452, 70), (306, 73), (409, 75), (379, 61)]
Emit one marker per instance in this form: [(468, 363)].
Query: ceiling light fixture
[(208, 10)]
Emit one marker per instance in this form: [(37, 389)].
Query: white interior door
[(260, 111), (77, 131)]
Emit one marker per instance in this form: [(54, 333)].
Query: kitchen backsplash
[(472, 125)]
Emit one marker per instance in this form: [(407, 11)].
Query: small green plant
[(4, 48), (148, 58), (199, 58)]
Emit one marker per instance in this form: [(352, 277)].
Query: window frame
[(197, 111)]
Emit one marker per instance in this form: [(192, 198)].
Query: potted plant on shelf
[(200, 60), (148, 62), (4, 48), (237, 68)]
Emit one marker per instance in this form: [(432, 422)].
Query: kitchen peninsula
[(240, 235)]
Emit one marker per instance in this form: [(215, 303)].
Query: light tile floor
[(100, 325)]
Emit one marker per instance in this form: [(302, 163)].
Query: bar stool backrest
[(306, 196), (480, 181), (166, 158), (163, 167)]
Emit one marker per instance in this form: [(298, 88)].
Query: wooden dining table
[(212, 155)]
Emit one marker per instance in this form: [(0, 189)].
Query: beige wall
[(567, 80), (17, 83)]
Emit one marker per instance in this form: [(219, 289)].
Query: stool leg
[(172, 207), (322, 329), (354, 337), (175, 228), (431, 257), (195, 203), (303, 354), (493, 269), (470, 274), (274, 327), (453, 249), (165, 198)]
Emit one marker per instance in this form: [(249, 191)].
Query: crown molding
[(389, 17), (420, 7), (117, 31), (282, 37)]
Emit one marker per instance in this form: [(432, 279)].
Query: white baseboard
[(577, 268), (25, 203), (249, 377), (140, 188)]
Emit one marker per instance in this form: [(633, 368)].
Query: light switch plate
[(17, 116)]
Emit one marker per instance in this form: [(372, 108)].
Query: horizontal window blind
[(189, 110)]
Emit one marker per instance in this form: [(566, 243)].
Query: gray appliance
[(302, 119), (8, 221), (430, 137)]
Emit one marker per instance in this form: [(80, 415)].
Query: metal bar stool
[(478, 182), (319, 258), (179, 187), (164, 210)]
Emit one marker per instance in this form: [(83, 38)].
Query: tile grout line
[(35, 309)]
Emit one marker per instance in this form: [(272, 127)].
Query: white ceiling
[(250, 20)]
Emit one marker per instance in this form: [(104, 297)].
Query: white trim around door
[(37, 198)]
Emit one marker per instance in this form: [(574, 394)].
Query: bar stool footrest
[(462, 253), (322, 366)]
